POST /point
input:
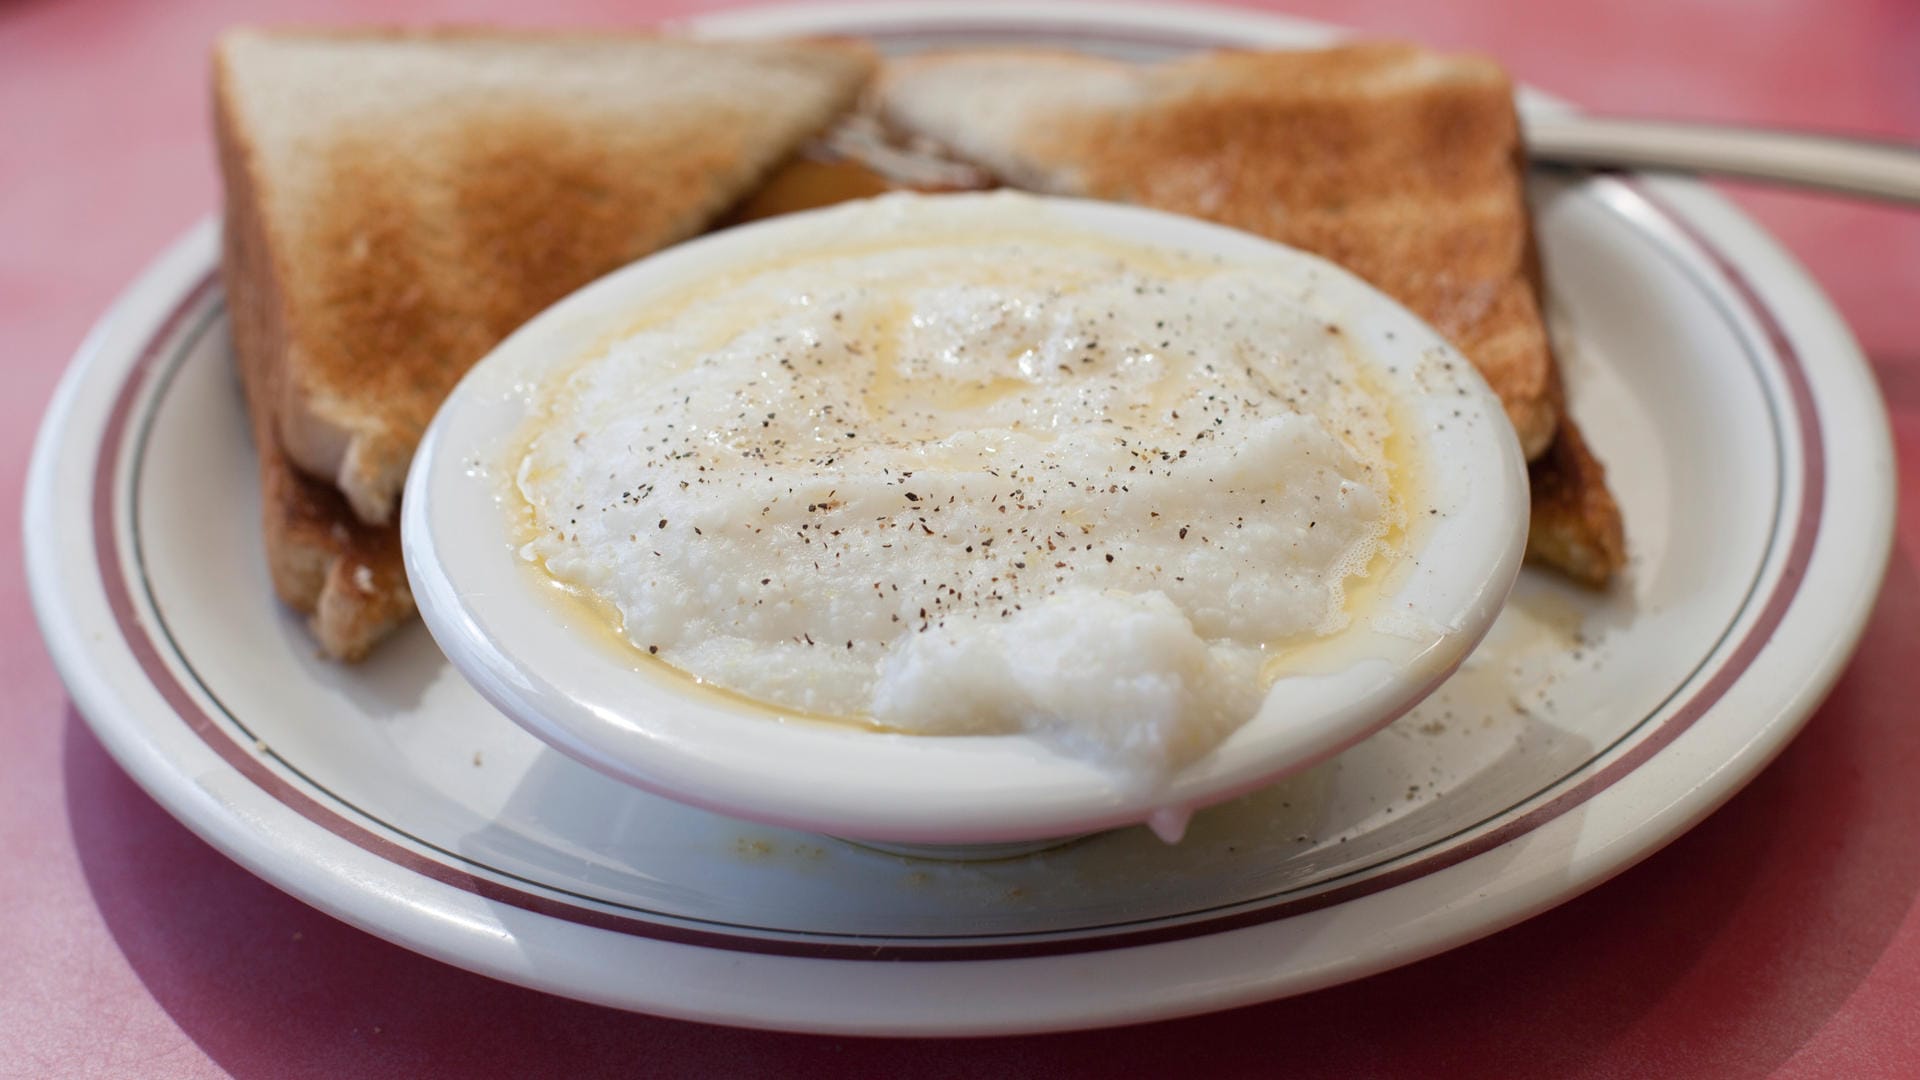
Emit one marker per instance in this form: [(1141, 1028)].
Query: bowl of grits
[(965, 519)]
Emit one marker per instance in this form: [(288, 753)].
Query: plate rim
[(1795, 294)]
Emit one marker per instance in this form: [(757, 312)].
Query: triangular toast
[(1402, 165), (398, 201), (422, 194)]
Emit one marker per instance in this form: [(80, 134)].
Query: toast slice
[(397, 202), (420, 194), (1402, 165), (324, 562)]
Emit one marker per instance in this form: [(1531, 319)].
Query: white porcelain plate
[(1742, 431)]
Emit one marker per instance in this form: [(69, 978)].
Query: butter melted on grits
[(962, 485)]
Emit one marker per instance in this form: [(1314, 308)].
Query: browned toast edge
[(1575, 525)]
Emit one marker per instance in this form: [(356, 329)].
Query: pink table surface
[(1778, 938)]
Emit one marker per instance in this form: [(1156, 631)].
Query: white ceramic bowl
[(501, 626)]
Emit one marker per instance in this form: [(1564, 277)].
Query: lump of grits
[(974, 485)]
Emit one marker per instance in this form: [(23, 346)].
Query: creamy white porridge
[(1021, 480)]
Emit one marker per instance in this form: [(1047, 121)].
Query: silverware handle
[(1861, 167)]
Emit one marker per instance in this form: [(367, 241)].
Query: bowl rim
[(523, 653)]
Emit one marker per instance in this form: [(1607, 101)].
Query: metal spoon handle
[(1860, 167)]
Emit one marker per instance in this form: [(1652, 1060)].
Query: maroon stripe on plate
[(146, 649)]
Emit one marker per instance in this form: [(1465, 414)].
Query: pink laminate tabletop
[(1781, 937)]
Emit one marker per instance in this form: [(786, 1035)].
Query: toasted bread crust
[(409, 238)]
